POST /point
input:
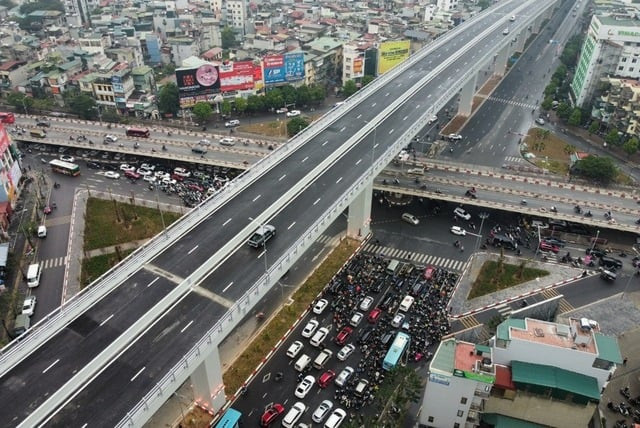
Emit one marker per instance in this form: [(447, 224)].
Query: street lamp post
[(593, 244), (97, 107), (483, 216), (538, 244)]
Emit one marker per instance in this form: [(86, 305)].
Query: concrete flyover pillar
[(466, 96), (208, 389), (500, 63), (358, 222), (521, 40)]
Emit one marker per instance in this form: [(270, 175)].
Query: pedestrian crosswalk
[(329, 240), (53, 262), (513, 159), (512, 102), (469, 321), (415, 257), (563, 305), (504, 310)]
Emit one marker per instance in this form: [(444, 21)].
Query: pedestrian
[(624, 361)]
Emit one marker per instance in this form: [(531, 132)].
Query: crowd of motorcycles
[(630, 408), (194, 189), (426, 323)]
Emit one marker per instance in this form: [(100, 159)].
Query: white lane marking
[(386, 95), (374, 104), (137, 374), (317, 200), (343, 128), (339, 180), (291, 225), (152, 282), (256, 198), (281, 178), (418, 106), (186, 326), (51, 365), (227, 287), (225, 223), (193, 249), (405, 118), (359, 116), (106, 320), (359, 160), (376, 145), (325, 143), (391, 131), (305, 159), (262, 253)]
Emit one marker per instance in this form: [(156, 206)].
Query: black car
[(555, 241), (596, 252), (111, 167), (94, 165), (610, 262), (365, 335), (43, 124)]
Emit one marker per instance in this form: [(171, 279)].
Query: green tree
[(168, 99), (110, 115), (483, 4), (594, 126), (289, 94), (20, 101), (296, 125), (349, 88), (551, 89), (612, 137), (203, 111), (84, 106), (228, 37), (576, 117), (366, 79), (317, 93), (602, 170), (303, 95), (255, 103), (564, 111), (241, 105), (547, 103), (43, 104), (225, 108), (631, 146), (569, 148), (401, 386), (274, 99)]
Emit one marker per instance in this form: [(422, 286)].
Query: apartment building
[(619, 104)]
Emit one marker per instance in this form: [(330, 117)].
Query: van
[(302, 363), (22, 324), (322, 359), (392, 267), (39, 133), (406, 303), (33, 275), (42, 231), (293, 415)]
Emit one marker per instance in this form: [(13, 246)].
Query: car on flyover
[(460, 212)]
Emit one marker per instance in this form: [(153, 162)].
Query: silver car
[(322, 411)]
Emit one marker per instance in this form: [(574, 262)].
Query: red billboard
[(236, 76), (4, 139)]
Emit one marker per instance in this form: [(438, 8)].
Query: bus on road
[(138, 132), (7, 117), (398, 347), (66, 168), (230, 419)]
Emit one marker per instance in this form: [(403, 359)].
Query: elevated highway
[(146, 326)]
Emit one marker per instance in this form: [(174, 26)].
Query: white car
[(356, 319), (336, 418), (346, 352), (454, 137), (344, 376), (67, 158), (320, 306), (540, 121), (397, 320), (148, 166), (322, 411), (161, 174), (457, 230), (144, 172), (204, 142), (126, 167), (292, 416), (227, 141), (150, 178), (294, 349), (169, 180), (319, 337), (282, 110), (293, 113), (310, 328), (366, 303), (112, 174), (29, 305), (462, 214), (432, 119), (232, 123), (304, 387), (110, 138), (410, 218)]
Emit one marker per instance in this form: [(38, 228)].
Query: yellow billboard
[(391, 54)]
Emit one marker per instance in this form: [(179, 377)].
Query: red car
[(326, 378), (344, 334), (545, 246), (374, 315), (271, 414), (428, 272)]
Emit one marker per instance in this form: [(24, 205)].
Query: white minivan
[(42, 231), (293, 415), (33, 275), (406, 303)]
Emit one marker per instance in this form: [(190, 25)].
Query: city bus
[(138, 132), (398, 347), (230, 419), (7, 118), (66, 168)]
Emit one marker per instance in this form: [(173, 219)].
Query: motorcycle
[(588, 214), (164, 148), (554, 209), (523, 202), (577, 209)]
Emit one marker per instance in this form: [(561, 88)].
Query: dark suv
[(610, 262), (596, 252)]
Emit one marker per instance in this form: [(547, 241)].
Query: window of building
[(456, 425), (634, 60), (620, 68), (430, 419), (630, 69), (460, 413), (624, 59), (463, 400)]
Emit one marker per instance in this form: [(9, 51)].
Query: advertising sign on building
[(274, 71), (390, 54), (358, 67), (258, 82), (236, 76), (294, 66), (197, 84), (438, 378)]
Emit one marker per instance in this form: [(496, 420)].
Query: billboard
[(236, 76), (4, 140), (283, 68), (391, 54), (358, 67), (197, 84)]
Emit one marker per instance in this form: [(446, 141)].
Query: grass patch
[(93, 267), (552, 152), (110, 223), (498, 275), (270, 129), (244, 365)]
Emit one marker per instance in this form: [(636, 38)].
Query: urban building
[(237, 15), (619, 104), (528, 365)]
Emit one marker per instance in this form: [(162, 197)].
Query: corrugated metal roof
[(554, 377)]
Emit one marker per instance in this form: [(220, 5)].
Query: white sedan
[(305, 386), (29, 305), (144, 172), (346, 351), (320, 306), (457, 230), (293, 113), (540, 121), (310, 328), (67, 158), (112, 174), (126, 167)]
